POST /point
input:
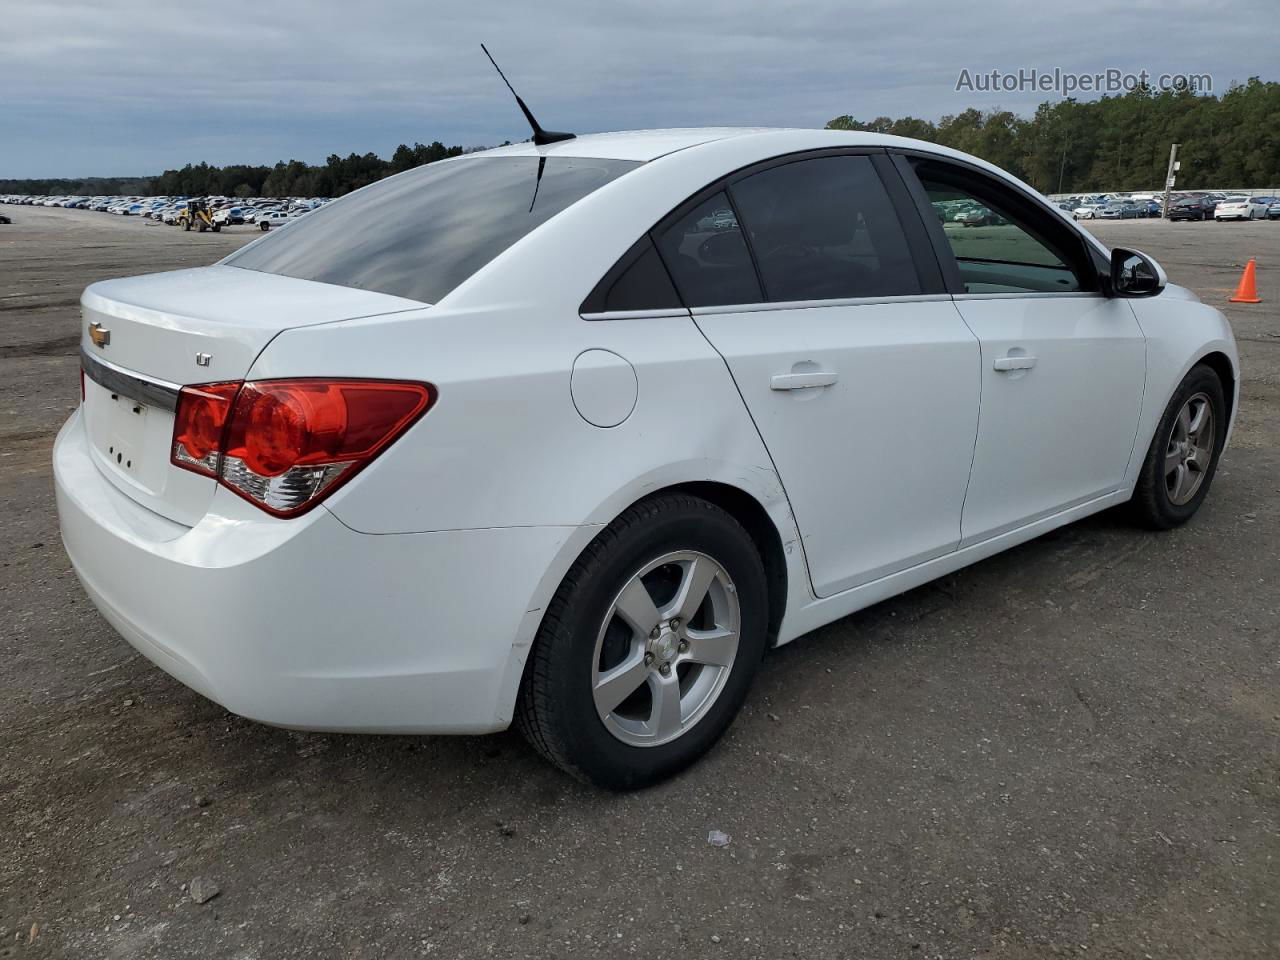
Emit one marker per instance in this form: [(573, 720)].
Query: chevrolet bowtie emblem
[(99, 334)]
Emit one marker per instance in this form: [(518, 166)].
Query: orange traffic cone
[(1247, 291)]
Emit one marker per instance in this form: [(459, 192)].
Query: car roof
[(739, 145), (643, 145)]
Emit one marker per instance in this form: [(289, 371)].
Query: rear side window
[(825, 229), (639, 281), (708, 258), (422, 233)]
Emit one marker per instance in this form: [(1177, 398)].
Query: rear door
[(1063, 366), (858, 371)]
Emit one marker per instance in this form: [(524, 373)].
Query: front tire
[(1183, 456), (647, 651)]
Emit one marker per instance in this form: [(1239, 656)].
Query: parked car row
[(1106, 207), (223, 211), (1182, 206), (966, 212)]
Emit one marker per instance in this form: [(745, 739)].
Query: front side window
[(825, 229), (420, 234), (1001, 243)]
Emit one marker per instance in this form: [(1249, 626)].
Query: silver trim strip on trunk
[(148, 390)]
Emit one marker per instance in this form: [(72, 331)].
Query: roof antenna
[(540, 137)]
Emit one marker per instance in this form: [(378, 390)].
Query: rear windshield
[(420, 234)]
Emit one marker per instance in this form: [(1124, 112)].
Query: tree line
[(1120, 142), (80, 186), (338, 175), (295, 178)]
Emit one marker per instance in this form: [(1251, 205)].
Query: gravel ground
[(1069, 749)]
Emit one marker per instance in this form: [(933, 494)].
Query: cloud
[(136, 86)]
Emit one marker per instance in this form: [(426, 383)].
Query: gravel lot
[(1072, 748)]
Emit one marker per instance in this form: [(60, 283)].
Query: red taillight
[(198, 424), (287, 444)]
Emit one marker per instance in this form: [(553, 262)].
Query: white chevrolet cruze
[(571, 434)]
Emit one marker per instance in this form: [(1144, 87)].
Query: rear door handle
[(799, 381), (1014, 363)]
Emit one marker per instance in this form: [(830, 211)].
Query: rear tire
[(585, 639), (1183, 457)]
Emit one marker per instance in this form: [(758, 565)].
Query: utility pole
[(1169, 177)]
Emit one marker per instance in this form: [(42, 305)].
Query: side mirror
[(1134, 274)]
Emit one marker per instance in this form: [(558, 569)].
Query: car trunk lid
[(145, 337)]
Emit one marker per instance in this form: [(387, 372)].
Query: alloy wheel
[(666, 648), (1190, 449)]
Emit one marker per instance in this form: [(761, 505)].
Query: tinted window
[(825, 229), (1002, 243), (420, 234), (638, 282), (707, 256)]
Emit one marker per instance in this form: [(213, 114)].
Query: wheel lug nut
[(648, 659), (665, 669), (675, 622), (684, 646), (654, 633)]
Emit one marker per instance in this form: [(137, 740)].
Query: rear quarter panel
[(504, 444)]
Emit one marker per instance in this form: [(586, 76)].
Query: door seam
[(804, 554), (1142, 403), (977, 426)]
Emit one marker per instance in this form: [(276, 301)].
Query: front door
[(1063, 366)]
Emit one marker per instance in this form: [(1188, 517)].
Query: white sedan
[(568, 435), (1242, 208)]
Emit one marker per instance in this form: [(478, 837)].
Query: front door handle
[(1014, 363), (800, 381)]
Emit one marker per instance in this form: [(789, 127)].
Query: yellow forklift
[(197, 215)]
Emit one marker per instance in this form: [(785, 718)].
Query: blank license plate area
[(130, 437)]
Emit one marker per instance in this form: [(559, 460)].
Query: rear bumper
[(305, 623)]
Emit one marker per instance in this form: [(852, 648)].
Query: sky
[(134, 87)]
